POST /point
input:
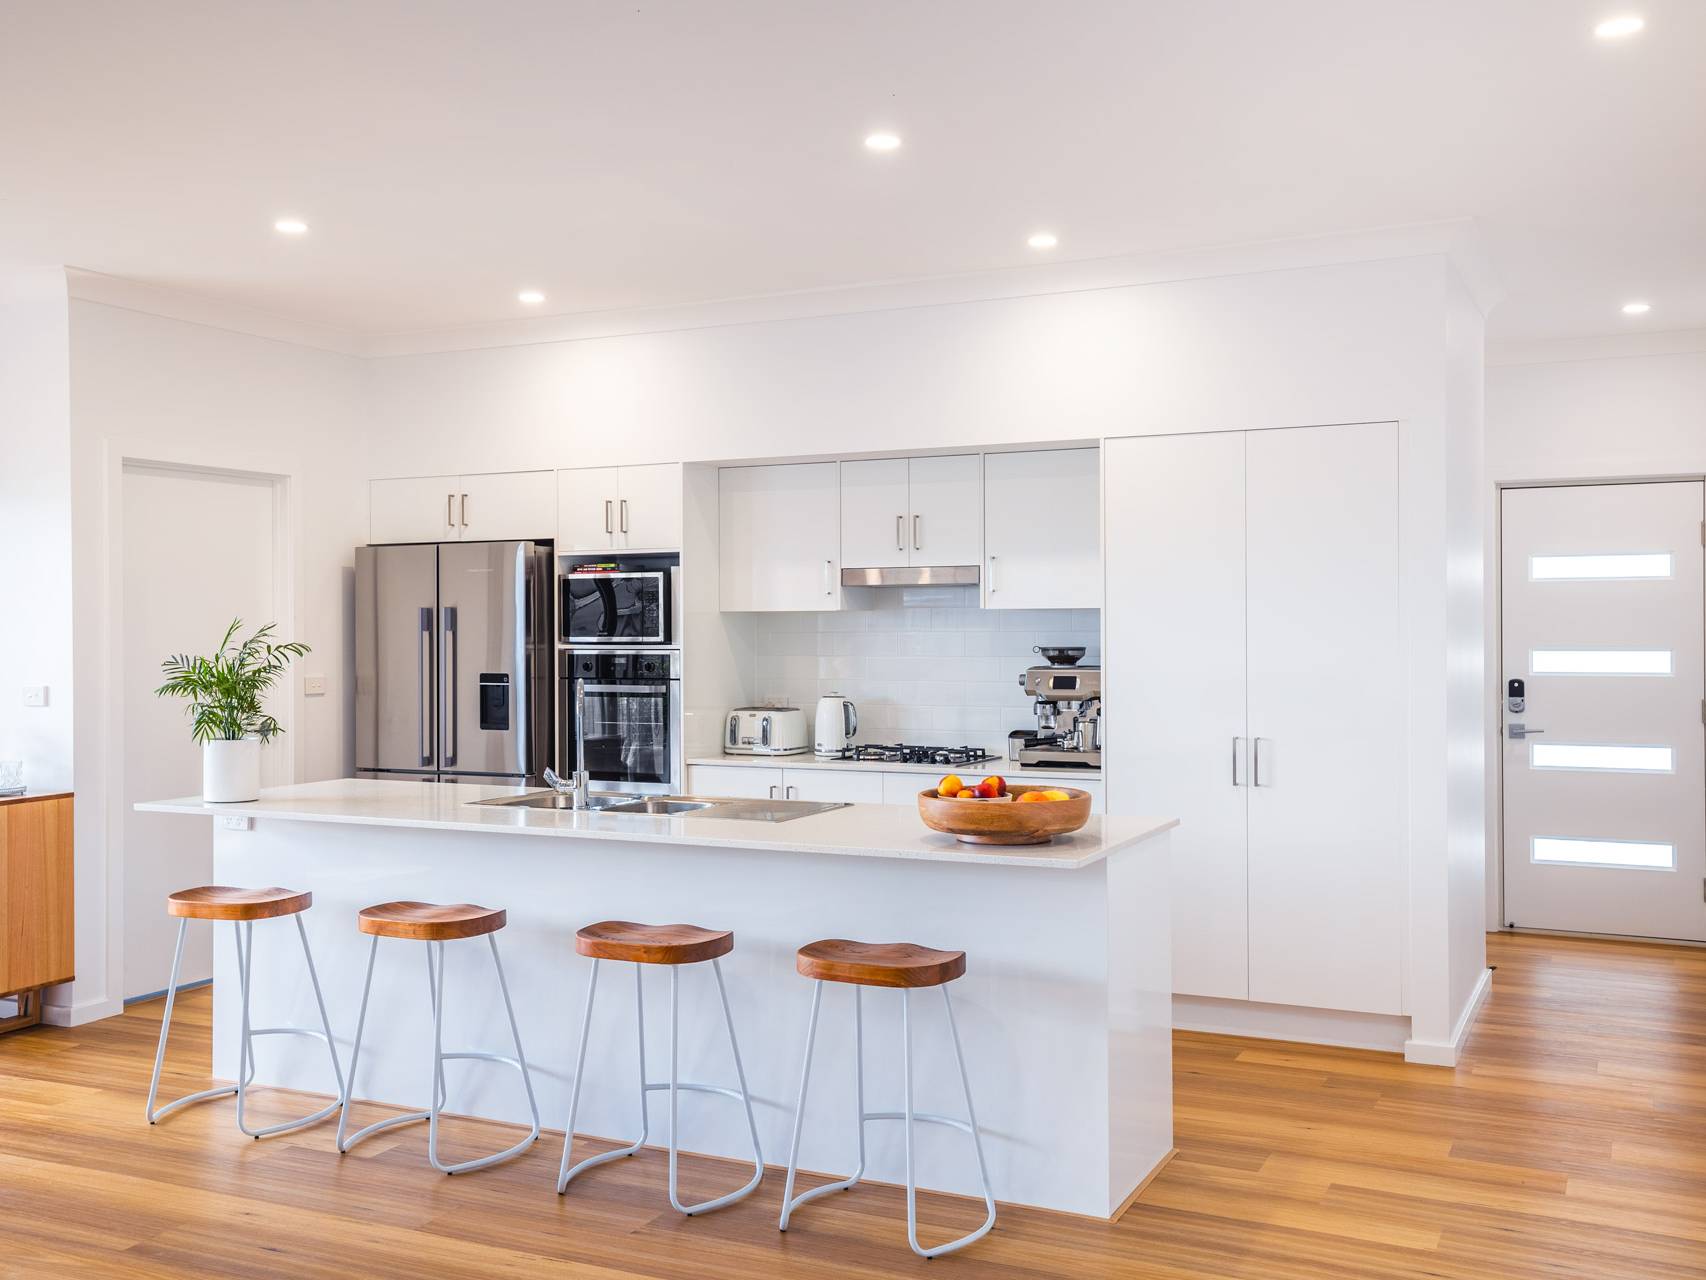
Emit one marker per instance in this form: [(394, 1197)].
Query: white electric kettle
[(837, 723)]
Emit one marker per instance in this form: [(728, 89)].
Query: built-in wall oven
[(628, 602), (622, 718)]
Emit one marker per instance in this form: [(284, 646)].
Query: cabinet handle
[(828, 588), (899, 537), (450, 510), (1237, 759), (917, 534), (773, 795), (464, 511), (1256, 771), (790, 793), (624, 508), (609, 519), (992, 587)]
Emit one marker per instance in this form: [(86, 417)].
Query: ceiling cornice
[(195, 308)]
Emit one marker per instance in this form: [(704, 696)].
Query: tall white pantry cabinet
[(1253, 637)]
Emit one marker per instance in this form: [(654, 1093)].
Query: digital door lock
[(1516, 702)]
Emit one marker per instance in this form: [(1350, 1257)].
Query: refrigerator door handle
[(426, 686), (450, 687)]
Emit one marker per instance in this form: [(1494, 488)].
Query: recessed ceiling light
[(1617, 28), (1043, 240), (882, 142), (532, 297), (1637, 308), (291, 226)]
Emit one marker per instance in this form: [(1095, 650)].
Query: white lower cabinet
[(845, 786), (747, 782), (1252, 625)]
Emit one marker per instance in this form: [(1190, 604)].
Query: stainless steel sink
[(667, 806)]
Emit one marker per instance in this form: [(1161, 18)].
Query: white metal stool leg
[(791, 1202), (435, 985), (244, 932), (675, 1085)]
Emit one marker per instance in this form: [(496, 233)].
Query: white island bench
[(1065, 1009)]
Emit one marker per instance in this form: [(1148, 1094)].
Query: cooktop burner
[(911, 753)]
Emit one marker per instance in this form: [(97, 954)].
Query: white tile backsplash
[(924, 664)]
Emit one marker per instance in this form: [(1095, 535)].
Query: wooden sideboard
[(35, 901)]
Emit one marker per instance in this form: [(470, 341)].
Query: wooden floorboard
[(1571, 1142)]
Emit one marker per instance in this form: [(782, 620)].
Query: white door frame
[(101, 770), (1495, 631)]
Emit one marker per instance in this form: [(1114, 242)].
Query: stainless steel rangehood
[(913, 575)]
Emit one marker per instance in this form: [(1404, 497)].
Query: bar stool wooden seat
[(436, 925), (907, 967), (241, 908), (673, 946)]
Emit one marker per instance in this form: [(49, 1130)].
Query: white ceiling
[(655, 152)]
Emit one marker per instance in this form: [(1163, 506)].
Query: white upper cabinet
[(947, 509), (619, 508), (495, 507), (875, 509), (779, 537), (415, 509), (1042, 531), (586, 509), (506, 505), (912, 511)]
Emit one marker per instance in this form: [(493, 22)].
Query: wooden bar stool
[(673, 945), (894, 964), (242, 907), (436, 925)]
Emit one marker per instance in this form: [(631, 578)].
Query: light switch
[(35, 695), (314, 686)]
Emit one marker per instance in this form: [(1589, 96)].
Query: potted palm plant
[(224, 691)]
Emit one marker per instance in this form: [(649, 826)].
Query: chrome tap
[(576, 786)]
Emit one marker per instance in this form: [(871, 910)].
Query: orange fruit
[(966, 793), (1055, 794), (1031, 796), (950, 785)]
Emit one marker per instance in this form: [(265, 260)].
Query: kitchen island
[(1065, 1009)]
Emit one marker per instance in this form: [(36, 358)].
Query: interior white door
[(1042, 538), (586, 509), (779, 537), (648, 514), (1327, 741), (876, 529), (1605, 782), (229, 521), (1175, 669), (414, 509), (946, 524), (507, 506)]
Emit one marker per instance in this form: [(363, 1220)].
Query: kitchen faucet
[(576, 786)]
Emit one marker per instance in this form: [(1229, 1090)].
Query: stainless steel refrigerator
[(453, 662)]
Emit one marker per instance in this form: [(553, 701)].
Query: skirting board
[(1385, 1032), (75, 1015), (1434, 1053)]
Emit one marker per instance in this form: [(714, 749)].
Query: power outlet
[(236, 822), (314, 686), (35, 695)]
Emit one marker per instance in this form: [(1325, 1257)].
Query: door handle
[(464, 511), (1520, 731), (623, 505), (917, 532), (449, 660), (899, 537), (609, 518), (1237, 762), (1256, 763), (426, 686)]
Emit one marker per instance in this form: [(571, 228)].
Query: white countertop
[(861, 830), (1012, 770)]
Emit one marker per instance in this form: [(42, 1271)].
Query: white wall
[(35, 526), (1384, 340), (144, 387), (1623, 413)]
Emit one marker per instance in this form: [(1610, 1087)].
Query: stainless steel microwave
[(621, 606)]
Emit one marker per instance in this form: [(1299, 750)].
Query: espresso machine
[(1068, 705)]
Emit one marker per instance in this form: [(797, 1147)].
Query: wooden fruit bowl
[(1005, 822)]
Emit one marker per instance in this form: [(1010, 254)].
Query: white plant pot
[(231, 771)]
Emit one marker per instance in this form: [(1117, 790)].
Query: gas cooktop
[(912, 753)]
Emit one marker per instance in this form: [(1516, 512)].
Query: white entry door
[(1605, 780), (199, 550)]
